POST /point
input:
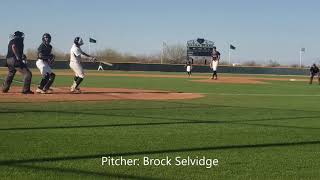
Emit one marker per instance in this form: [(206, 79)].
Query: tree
[(31, 54), (174, 54), (250, 63), (273, 63), (110, 55), (60, 55)]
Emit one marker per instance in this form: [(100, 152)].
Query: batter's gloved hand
[(24, 59)]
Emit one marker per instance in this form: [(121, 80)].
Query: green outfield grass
[(265, 131)]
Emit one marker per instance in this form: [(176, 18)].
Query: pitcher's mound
[(94, 94)]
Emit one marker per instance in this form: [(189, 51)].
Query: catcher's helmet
[(46, 38), (18, 34), (78, 41)]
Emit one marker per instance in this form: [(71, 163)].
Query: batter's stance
[(16, 60), (75, 64), (215, 62), (45, 59)]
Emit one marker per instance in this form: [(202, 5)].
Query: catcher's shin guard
[(50, 81), (44, 81)]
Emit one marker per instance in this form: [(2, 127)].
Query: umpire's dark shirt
[(19, 45), (314, 70), (45, 51)]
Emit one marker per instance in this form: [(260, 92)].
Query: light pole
[(302, 50)]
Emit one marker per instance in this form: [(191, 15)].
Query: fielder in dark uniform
[(45, 59), (16, 60), (314, 71)]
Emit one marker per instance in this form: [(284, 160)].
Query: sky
[(260, 30)]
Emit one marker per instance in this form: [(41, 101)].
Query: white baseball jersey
[(75, 54), (75, 61)]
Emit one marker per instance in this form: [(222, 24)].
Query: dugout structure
[(199, 50)]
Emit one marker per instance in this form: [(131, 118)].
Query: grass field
[(265, 131)]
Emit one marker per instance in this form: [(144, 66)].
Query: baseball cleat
[(76, 91), (49, 91), (40, 91), (27, 92), (73, 87)]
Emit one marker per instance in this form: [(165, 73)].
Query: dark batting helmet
[(78, 41)]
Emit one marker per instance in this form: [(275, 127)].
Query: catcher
[(314, 71), (45, 59)]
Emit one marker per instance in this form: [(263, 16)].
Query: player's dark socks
[(75, 78), (215, 76), (78, 82)]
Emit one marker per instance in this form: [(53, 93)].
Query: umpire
[(16, 60), (314, 70)]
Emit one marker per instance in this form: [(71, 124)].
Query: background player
[(45, 59), (16, 60), (188, 67), (314, 71), (75, 63), (214, 63)]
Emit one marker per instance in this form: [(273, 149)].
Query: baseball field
[(250, 126)]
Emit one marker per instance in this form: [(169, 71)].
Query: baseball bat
[(106, 63)]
